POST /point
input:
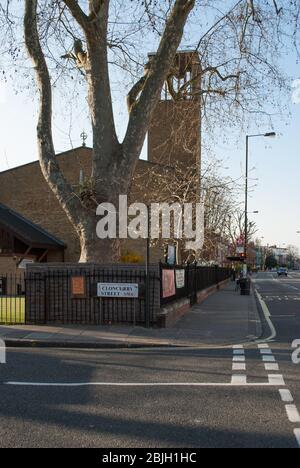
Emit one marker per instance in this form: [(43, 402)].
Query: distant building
[(280, 255)]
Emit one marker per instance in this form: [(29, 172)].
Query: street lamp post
[(270, 134), (147, 292)]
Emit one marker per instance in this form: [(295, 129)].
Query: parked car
[(282, 271)]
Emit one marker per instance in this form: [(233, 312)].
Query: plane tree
[(239, 45)]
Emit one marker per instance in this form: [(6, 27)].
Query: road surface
[(246, 396)]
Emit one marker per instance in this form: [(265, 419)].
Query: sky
[(274, 172), (274, 164), (275, 180)]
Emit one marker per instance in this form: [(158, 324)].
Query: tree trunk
[(95, 250), (102, 251)]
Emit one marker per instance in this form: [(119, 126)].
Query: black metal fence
[(50, 297), (12, 299), (196, 279), (46, 295)]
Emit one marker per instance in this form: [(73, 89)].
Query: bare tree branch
[(160, 65), (48, 162), (278, 10), (77, 12)]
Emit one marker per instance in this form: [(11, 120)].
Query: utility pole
[(270, 134), (246, 208), (147, 292)]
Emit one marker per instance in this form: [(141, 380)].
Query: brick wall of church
[(8, 266), (174, 134), (24, 190)]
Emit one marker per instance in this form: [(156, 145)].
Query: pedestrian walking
[(238, 281)]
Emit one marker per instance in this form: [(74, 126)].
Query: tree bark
[(95, 250), (106, 148)]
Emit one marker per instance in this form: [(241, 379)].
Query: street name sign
[(118, 290)]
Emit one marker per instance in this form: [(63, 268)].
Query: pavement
[(223, 318), (246, 395)]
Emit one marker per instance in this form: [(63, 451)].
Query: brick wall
[(174, 134), (8, 265), (24, 190)]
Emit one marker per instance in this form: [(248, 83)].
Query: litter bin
[(245, 284)]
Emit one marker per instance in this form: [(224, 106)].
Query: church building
[(34, 227)]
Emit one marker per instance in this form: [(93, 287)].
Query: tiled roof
[(27, 231)]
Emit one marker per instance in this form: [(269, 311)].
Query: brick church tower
[(175, 132)]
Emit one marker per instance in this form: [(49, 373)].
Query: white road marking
[(263, 346), (269, 359), (286, 396), (271, 383), (292, 287), (276, 379), (267, 317), (293, 413), (239, 380), (270, 362), (239, 359), (238, 367), (266, 351), (272, 367), (297, 435), (238, 352)]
